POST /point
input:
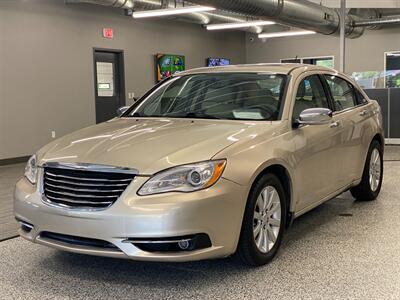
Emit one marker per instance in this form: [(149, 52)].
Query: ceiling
[(360, 3)]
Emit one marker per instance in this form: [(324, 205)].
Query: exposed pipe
[(203, 18), (296, 13), (124, 4), (392, 20)]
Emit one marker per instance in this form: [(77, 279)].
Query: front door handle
[(363, 113), (334, 124)]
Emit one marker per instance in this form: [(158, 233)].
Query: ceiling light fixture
[(284, 34), (238, 25), (170, 11)]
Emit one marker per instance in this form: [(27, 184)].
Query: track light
[(284, 34), (170, 11), (238, 25)]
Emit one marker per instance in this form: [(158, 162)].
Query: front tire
[(371, 183), (264, 222)]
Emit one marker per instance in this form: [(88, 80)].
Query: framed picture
[(168, 64)]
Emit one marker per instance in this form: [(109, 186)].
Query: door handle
[(334, 124), (363, 113)]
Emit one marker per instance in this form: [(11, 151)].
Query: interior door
[(316, 146), (109, 84)]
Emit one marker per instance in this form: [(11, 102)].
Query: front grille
[(83, 189), (78, 241)]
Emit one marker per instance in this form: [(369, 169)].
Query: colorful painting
[(168, 64)]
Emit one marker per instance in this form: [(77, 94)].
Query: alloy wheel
[(375, 170), (267, 219)]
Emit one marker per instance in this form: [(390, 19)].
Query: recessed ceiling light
[(238, 25), (170, 11), (284, 33)]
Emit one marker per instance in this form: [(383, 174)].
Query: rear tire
[(264, 222), (371, 182)]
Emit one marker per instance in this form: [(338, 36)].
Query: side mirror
[(122, 110), (315, 116)]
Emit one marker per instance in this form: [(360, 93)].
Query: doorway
[(109, 81)]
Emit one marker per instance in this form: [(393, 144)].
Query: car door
[(350, 117), (316, 146)]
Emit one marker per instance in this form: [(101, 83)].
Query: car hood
[(148, 145)]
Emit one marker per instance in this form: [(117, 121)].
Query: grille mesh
[(80, 188)]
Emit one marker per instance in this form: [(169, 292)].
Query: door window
[(310, 94), (105, 79), (342, 93)]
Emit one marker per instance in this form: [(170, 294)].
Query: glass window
[(392, 71), (320, 61), (342, 93), (310, 94), (360, 98), (237, 96), (291, 61), (105, 79)]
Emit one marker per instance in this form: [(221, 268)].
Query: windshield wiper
[(193, 115)]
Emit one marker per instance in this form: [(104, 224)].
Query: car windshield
[(229, 96)]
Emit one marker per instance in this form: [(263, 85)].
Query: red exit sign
[(108, 33)]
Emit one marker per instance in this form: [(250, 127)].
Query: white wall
[(46, 63), (363, 54)]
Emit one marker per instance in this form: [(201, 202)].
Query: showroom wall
[(46, 63), (371, 45)]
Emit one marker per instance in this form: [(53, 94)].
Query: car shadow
[(198, 274)]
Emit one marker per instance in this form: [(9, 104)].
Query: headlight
[(31, 170), (186, 178)]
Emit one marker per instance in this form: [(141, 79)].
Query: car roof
[(254, 68)]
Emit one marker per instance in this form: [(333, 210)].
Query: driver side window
[(310, 94)]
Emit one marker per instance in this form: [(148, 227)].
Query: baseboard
[(392, 141), (15, 160)]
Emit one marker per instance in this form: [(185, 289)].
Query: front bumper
[(217, 212)]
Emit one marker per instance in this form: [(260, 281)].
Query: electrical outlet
[(53, 134)]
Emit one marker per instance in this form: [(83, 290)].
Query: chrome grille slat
[(83, 189), (88, 179), (79, 195), (78, 201), (124, 185)]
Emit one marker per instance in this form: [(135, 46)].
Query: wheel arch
[(379, 138), (285, 178)]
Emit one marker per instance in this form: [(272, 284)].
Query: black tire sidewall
[(374, 145), (247, 235)]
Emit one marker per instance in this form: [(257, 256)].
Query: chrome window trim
[(338, 112)]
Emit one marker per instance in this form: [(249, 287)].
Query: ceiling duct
[(203, 18), (296, 13), (124, 4), (392, 20)]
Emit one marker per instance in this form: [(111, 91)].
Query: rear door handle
[(363, 113), (334, 124)]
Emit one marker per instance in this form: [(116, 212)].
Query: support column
[(342, 67)]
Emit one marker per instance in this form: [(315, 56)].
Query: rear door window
[(343, 93)]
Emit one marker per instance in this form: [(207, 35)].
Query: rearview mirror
[(122, 110), (315, 116)]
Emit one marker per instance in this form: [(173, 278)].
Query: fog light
[(184, 244)]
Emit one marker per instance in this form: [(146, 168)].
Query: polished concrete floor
[(341, 250), (8, 176)]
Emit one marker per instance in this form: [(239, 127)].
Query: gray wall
[(46, 63), (363, 54)]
